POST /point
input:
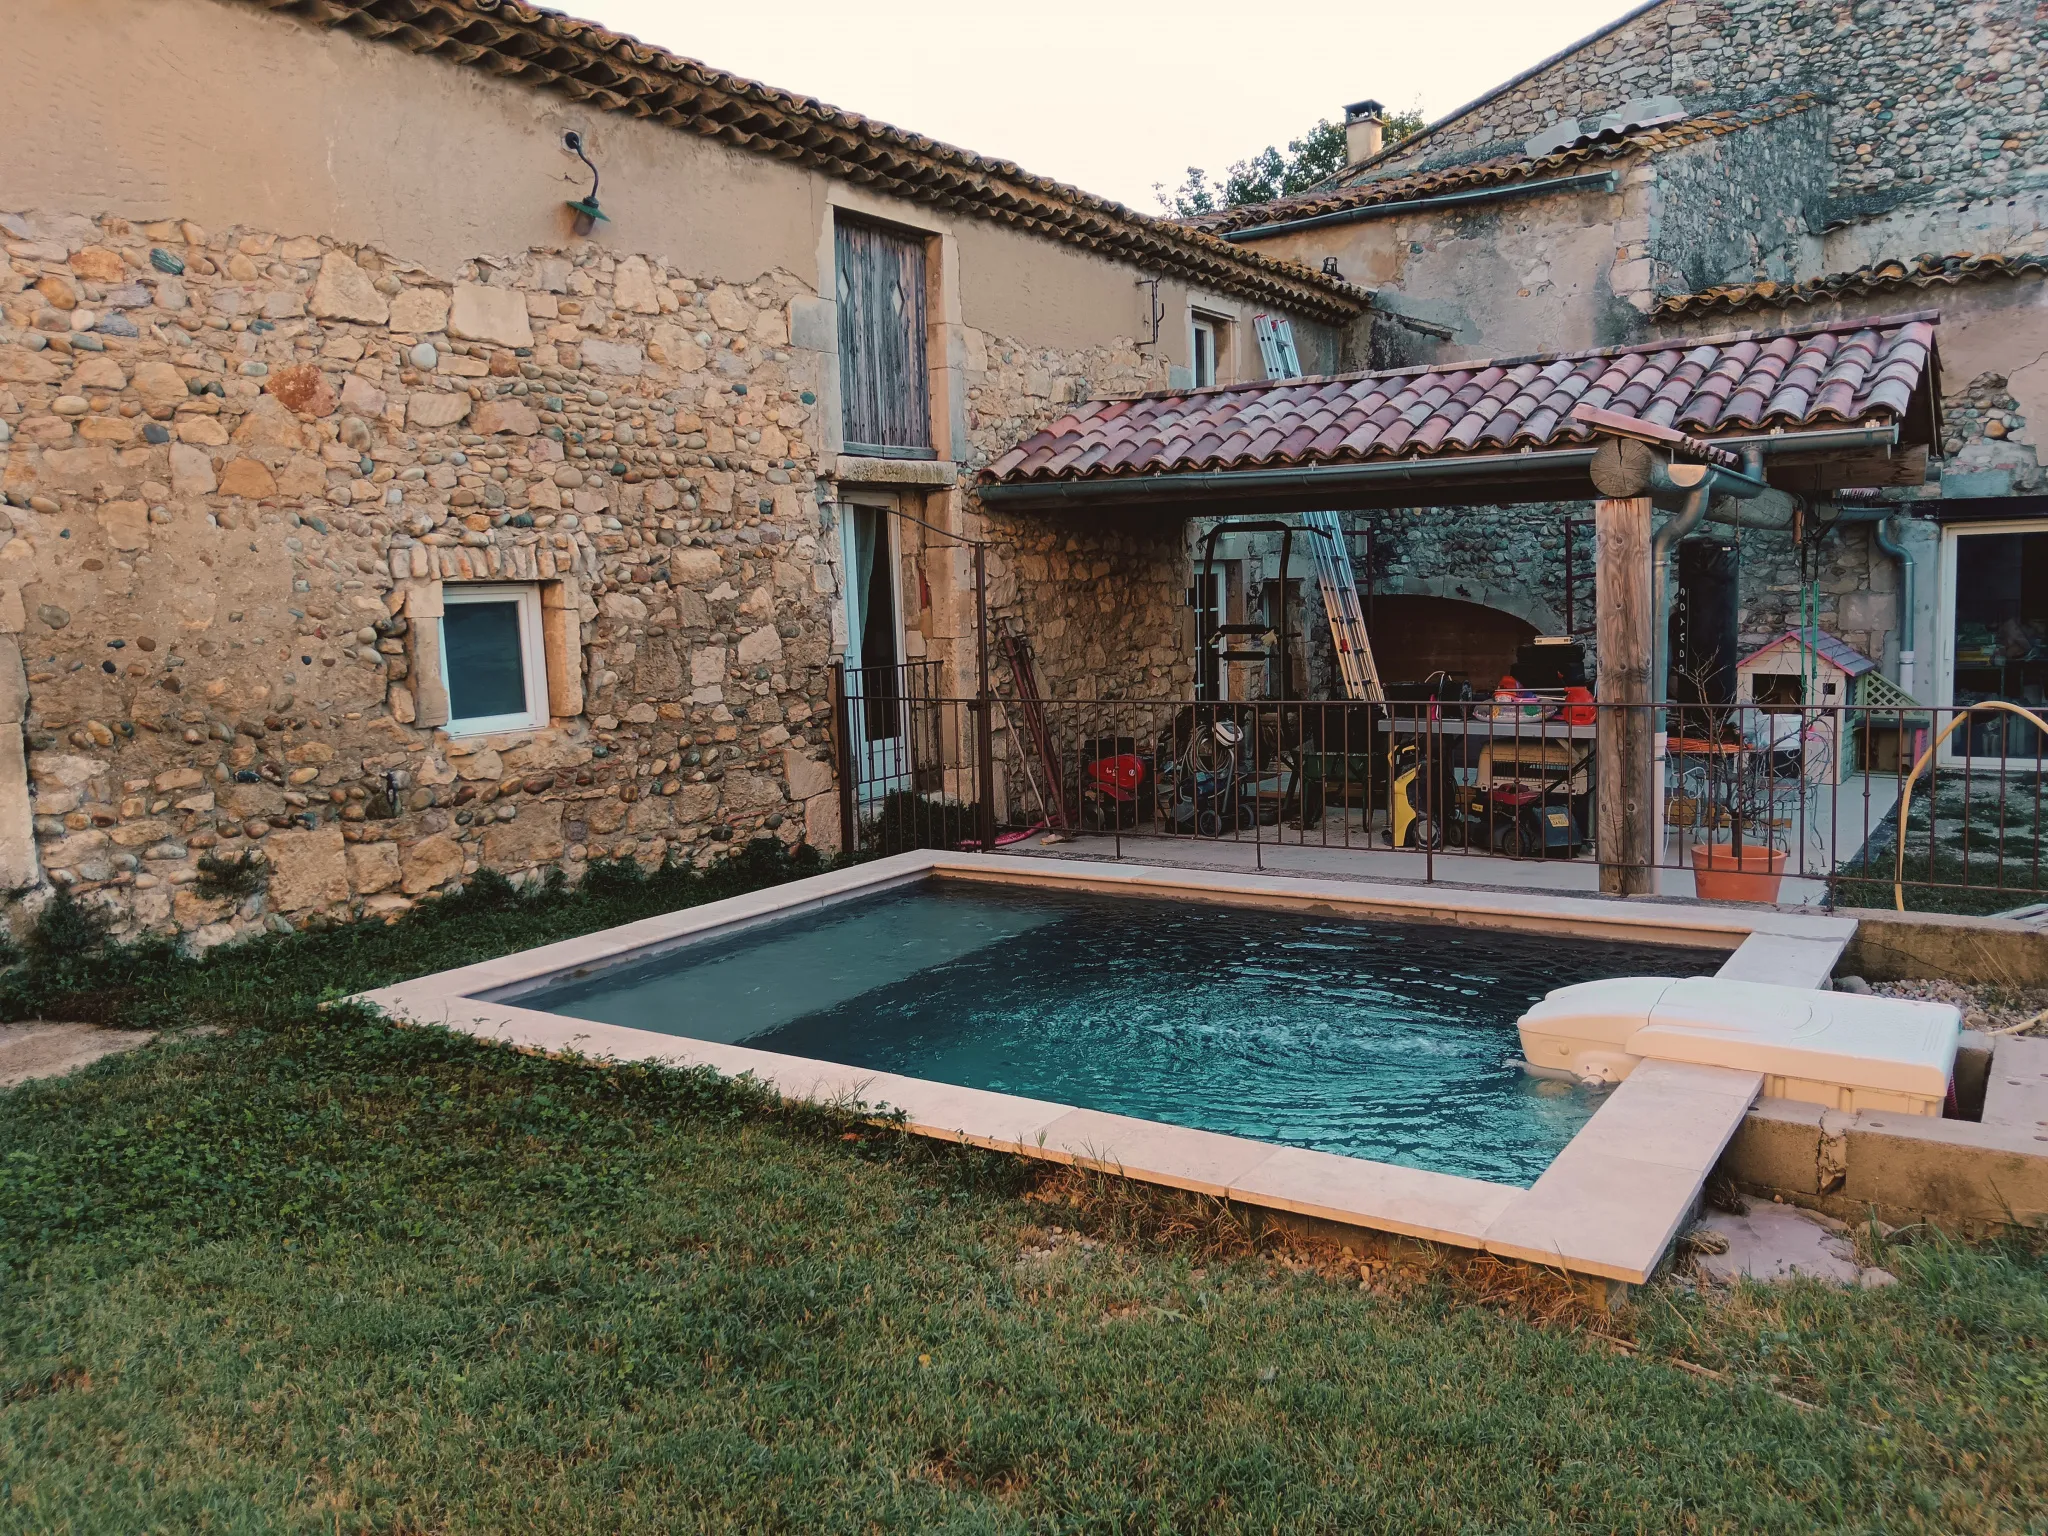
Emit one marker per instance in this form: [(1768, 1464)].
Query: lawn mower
[(1116, 783), (1527, 798)]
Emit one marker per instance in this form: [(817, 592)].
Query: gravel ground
[(1989, 1008)]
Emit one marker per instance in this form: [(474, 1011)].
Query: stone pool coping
[(1608, 1206)]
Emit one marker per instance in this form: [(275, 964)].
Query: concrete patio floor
[(1841, 815)]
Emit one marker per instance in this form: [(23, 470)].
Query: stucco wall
[(1506, 278), (224, 114)]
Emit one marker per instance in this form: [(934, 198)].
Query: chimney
[(1365, 131)]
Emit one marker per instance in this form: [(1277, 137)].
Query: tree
[(1314, 157)]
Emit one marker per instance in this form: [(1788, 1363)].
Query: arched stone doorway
[(1417, 634)]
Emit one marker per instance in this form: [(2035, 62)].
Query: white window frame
[(1945, 637), (532, 656), (1199, 326)]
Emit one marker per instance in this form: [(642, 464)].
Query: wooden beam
[(1625, 755), (1905, 467)]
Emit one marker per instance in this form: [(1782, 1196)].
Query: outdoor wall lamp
[(587, 213)]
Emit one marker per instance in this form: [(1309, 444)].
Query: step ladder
[(1030, 704), (1334, 573)]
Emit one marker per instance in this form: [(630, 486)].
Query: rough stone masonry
[(238, 470)]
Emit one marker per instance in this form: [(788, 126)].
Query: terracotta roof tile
[(1878, 277), (1814, 377), (1350, 190)]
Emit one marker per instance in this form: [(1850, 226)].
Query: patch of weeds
[(907, 820), (68, 965), (230, 879)]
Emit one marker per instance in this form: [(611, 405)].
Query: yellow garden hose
[(1906, 798)]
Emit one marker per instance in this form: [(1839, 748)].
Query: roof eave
[(1529, 474), (618, 73)]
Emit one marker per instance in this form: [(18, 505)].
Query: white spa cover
[(1854, 1041)]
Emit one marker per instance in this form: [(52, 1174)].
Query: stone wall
[(1738, 206), (1930, 98), (1098, 594), (241, 471), (1512, 558)]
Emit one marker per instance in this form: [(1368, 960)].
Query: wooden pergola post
[(1626, 757)]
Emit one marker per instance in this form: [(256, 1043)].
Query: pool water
[(1385, 1040)]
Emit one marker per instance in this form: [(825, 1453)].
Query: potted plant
[(1737, 800)]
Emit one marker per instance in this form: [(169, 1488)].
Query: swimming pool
[(1393, 1041)]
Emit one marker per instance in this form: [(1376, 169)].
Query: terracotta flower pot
[(1750, 873)]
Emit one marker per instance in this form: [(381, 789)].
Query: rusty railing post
[(984, 726), (842, 759)]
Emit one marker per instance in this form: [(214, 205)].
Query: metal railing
[(1752, 802)]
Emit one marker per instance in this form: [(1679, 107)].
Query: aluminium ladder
[(1334, 573), (1340, 601)]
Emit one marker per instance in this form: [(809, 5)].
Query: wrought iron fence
[(1818, 805)]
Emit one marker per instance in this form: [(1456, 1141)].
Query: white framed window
[(493, 660), (1204, 349)]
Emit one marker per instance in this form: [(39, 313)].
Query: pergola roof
[(1454, 417), (1849, 372)]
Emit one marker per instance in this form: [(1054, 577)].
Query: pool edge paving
[(1607, 1208)]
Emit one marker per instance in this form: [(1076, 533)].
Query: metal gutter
[(1389, 472), (1606, 180), (1320, 477)]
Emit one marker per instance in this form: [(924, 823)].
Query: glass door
[(874, 649), (1994, 632)]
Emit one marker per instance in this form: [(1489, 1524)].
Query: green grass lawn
[(318, 1273)]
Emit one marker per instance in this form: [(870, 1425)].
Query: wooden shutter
[(882, 377)]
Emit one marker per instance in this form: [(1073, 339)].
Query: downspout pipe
[(1884, 533), (1691, 489), (1889, 541), (1691, 513)]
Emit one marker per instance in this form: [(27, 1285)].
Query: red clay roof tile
[(1372, 186), (1878, 277), (1812, 377)]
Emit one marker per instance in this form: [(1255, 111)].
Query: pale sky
[(1114, 97)]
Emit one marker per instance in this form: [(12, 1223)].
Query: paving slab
[(1624, 1187), (1777, 1243), (2016, 1089)]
